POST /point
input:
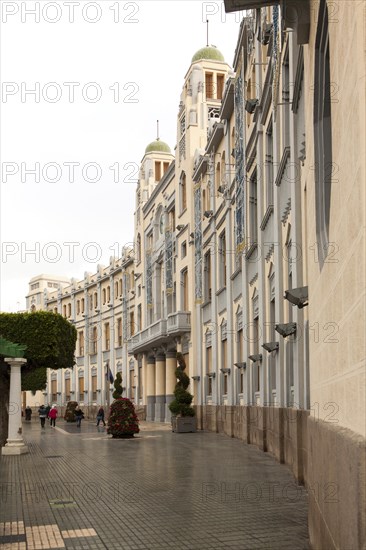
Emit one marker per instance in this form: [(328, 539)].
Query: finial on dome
[(207, 44), (157, 130)]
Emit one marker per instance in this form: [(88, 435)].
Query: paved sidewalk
[(80, 489)]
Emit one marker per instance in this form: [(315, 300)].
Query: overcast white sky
[(142, 49)]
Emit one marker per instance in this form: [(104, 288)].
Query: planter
[(184, 424)]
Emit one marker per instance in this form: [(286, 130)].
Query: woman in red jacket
[(53, 415)]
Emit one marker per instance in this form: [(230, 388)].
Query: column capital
[(151, 360), (15, 361), (171, 354), (160, 357)]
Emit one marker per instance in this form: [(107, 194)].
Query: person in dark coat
[(42, 412), (100, 416), (79, 415), (28, 413)]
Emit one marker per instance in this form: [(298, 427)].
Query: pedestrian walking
[(100, 416), (28, 413), (48, 408), (53, 415), (79, 415), (42, 412)]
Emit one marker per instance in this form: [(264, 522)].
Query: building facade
[(249, 258)]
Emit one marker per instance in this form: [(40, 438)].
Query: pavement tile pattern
[(80, 489)]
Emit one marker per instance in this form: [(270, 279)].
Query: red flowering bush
[(122, 421)]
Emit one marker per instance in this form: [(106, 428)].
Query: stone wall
[(336, 484)]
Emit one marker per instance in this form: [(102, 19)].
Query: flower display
[(122, 421)]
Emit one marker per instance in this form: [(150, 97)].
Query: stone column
[(160, 388), (150, 389), (15, 444), (170, 381)]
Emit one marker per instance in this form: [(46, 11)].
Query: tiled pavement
[(80, 489)]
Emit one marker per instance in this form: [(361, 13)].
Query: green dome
[(158, 145), (209, 52)]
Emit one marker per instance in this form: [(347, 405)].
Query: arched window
[(108, 294), (104, 296), (82, 305), (95, 300)]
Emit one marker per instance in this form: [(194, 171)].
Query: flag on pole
[(109, 376)]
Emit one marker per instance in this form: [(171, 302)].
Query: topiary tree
[(122, 421), (118, 390), (181, 404), (50, 341)]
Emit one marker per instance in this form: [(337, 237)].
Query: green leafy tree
[(50, 341), (181, 404)]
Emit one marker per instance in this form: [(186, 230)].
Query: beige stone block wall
[(336, 486), (337, 291)]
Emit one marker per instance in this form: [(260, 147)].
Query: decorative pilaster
[(150, 389), (160, 388), (170, 381)]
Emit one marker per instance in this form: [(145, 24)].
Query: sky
[(82, 85)]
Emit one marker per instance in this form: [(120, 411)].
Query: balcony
[(154, 334), (179, 323)]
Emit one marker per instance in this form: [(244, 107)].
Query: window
[(64, 310), (104, 293), (69, 310), (67, 389), (184, 249), (165, 166), (218, 176), (107, 336), (253, 209), (54, 390), (78, 307), (94, 340), (157, 171), (222, 260), (82, 305), (184, 281), (81, 342), (183, 192), (225, 384), (139, 317), (119, 331), (220, 86), (116, 289), (108, 294), (207, 277), (269, 165), (120, 287), (94, 387), (322, 133), (138, 248), (90, 301), (132, 384), (81, 388), (286, 102), (95, 300), (132, 323), (209, 85)]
